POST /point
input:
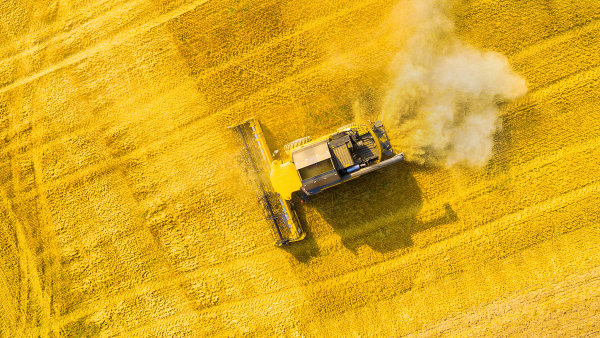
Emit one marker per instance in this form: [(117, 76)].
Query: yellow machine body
[(285, 179)]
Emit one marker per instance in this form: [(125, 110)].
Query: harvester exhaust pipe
[(389, 161)]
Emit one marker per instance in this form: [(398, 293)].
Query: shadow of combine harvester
[(379, 210)]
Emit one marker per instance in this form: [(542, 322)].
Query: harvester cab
[(310, 167)]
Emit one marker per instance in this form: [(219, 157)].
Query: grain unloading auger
[(310, 167)]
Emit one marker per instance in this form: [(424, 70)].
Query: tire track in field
[(173, 273), (542, 64), (583, 74), (29, 273), (119, 38), (9, 301), (570, 82), (501, 310), (52, 274), (497, 12), (127, 14), (537, 47), (315, 24), (17, 299), (567, 30), (64, 32)]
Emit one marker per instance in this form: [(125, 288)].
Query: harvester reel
[(278, 212), (296, 143)]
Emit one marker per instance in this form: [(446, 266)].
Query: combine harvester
[(310, 167)]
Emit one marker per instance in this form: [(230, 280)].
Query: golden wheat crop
[(125, 208)]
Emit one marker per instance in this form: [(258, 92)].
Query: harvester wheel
[(296, 143)]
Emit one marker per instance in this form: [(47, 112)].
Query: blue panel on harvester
[(353, 168)]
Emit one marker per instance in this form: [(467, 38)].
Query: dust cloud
[(441, 98)]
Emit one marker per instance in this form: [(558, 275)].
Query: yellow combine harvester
[(310, 167)]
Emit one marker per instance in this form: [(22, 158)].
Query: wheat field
[(125, 210)]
